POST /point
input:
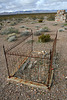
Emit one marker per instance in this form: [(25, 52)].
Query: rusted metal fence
[(52, 55), (15, 53), (24, 62)]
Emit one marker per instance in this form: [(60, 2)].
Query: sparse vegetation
[(44, 29), (27, 28), (65, 24), (62, 25), (55, 24), (37, 33), (37, 27), (25, 33), (30, 41), (0, 27), (9, 31), (1, 24), (22, 27), (65, 28), (51, 18), (19, 17), (13, 23), (34, 17)]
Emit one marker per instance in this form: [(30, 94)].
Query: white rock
[(42, 51), (35, 62), (39, 52), (66, 77)]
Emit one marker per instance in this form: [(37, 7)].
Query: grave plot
[(35, 68), (28, 65)]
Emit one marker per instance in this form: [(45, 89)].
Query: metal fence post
[(6, 60), (49, 72), (32, 40)]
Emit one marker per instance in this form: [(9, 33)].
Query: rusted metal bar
[(32, 39), (51, 59), (50, 54), (6, 61), (18, 43), (23, 62), (17, 54), (29, 83), (50, 67)]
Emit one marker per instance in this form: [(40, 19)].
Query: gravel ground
[(17, 91)]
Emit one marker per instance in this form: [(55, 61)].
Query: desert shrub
[(65, 28), (0, 20), (65, 24), (0, 27), (13, 23), (8, 21), (32, 22), (62, 25), (45, 29), (34, 18), (37, 33), (37, 27), (1, 24), (27, 28), (40, 20), (9, 31), (42, 17), (22, 27), (30, 41), (44, 38), (51, 18), (19, 20), (12, 38), (61, 30), (25, 33), (55, 24)]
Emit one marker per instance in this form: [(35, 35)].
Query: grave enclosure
[(29, 65)]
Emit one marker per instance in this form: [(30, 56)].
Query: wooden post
[(6, 60)]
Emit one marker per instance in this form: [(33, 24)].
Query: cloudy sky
[(19, 5)]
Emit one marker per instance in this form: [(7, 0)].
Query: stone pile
[(61, 16)]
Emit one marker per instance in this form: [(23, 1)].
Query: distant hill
[(30, 11)]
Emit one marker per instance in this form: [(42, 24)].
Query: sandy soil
[(17, 91)]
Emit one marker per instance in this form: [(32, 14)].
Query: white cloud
[(14, 5)]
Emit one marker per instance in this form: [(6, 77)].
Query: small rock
[(66, 77), (35, 62)]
